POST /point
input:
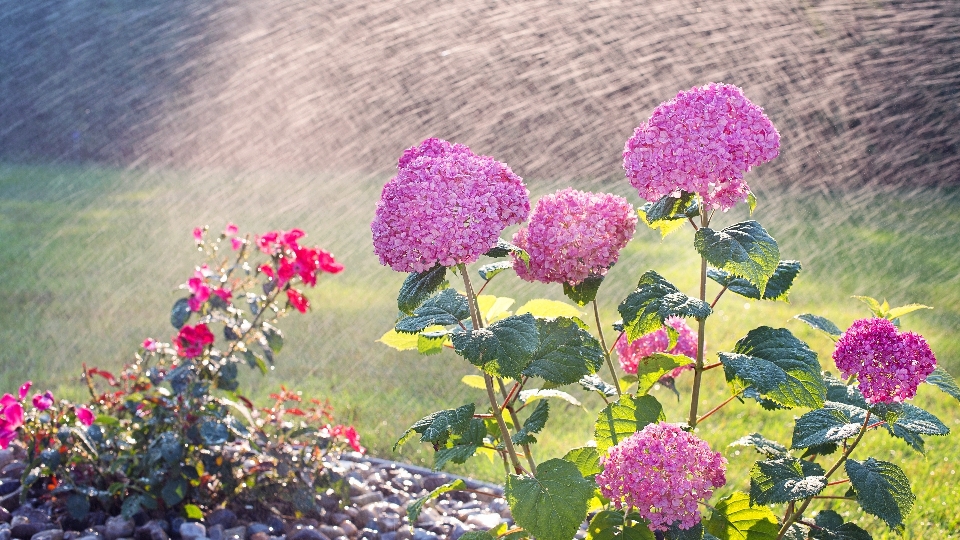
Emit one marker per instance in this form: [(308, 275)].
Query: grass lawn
[(91, 260)]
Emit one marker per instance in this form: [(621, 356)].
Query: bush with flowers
[(172, 431), (640, 476)]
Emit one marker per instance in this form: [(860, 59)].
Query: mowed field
[(91, 260)]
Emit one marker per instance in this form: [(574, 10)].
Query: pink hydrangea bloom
[(662, 472), (447, 205), (573, 234), (889, 365), (702, 141), (631, 353)]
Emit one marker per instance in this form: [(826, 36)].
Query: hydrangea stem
[(701, 330), (606, 352), (507, 398)]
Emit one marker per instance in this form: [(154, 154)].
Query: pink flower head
[(631, 353), (889, 365), (24, 388), (349, 433), (236, 243), (199, 291), (84, 415), (149, 344), (702, 141), (574, 234), (297, 300), (198, 235), (662, 472), (191, 341), (446, 205), (43, 402), (230, 229)]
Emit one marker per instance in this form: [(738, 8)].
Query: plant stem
[(606, 353), (719, 294), (701, 334), (516, 424), (718, 407)]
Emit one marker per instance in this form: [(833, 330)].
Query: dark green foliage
[(447, 308), (763, 445), (533, 424), (504, 249), (554, 503), (413, 511), (610, 525), (584, 292), (778, 286), (944, 381), (785, 479), (418, 287), (820, 323), (882, 490), (833, 423), (438, 426), (830, 526), (180, 313), (488, 271), (503, 349), (565, 352), (742, 249), (594, 383), (654, 300)]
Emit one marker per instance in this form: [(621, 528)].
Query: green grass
[(91, 259)]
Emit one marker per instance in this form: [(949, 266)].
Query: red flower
[(236, 243), (12, 419), (348, 433), (297, 300), (85, 416), (199, 291), (267, 270), (223, 293), (266, 241), (192, 340)]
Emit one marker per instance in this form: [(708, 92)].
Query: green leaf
[(873, 304), (503, 349), (655, 366), (669, 213), (193, 511), (587, 460), (430, 345), (474, 381), (493, 308), (584, 292), (780, 366), (777, 287), (130, 506), (533, 424), (882, 490), (413, 511), (529, 396), (564, 353), (78, 505), (400, 342), (171, 448), (179, 314), (832, 527), (274, 338), (833, 423), (785, 479), (820, 323), (914, 422), (609, 525), (438, 426), (944, 381), (552, 504), (457, 454), (752, 202), (840, 392), (542, 308), (619, 420), (504, 249), (448, 307), (594, 383), (656, 299), (898, 312), (488, 271), (743, 249), (418, 287), (174, 491), (676, 533), (764, 446), (734, 518), (213, 432), (254, 360)]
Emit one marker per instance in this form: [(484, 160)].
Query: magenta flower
[(198, 235), (889, 365), (24, 388), (84, 415), (662, 472), (236, 243), (43, 402), (574, 234), (631, 353), (230, 229), (446, 205), (199, 291), (149, 344), (702, 141)]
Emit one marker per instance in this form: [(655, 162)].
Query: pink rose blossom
[(889, 365), (297, 300), (446, 205), (149, 344), (11, 420), (662, 472), (630, 354), (236, 243), (573, 235), (223, 293), (198, 235), (199, 291), (230, 229), (43, 402), (191, 341), (702, 141), (84, 415), (349, 433), (24, 388)]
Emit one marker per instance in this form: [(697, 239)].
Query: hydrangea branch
[(606, 351), (701, 336)]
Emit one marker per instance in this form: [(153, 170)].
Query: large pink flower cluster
[(663, 472), (702, 141), (447, 205), (631, 353), (573, 234), (889, 365)]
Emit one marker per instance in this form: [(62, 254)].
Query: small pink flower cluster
[(191, 341), (662, 472), (347, 433), (294, 260), (702, 141), (200, 291), (446, 205), (11, 412), (631, 353), (574, 234), (889, 365)]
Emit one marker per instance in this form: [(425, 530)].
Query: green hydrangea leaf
[(840, 392), (655, 366), (437, 427), (584, 292), (461, 446), (529, 396), (897, 312), (552, 504), (594, 383), (488, 271), (564, 353), (655, 299), (676, 533), (882, 490), (447, 308), (820, 323), (504, 249), (587, 460), (763, 445), (419, 287), (778, 286), (833, 423), (734, 518), (743, 249), (912, 423), (428, 345), (503, 349), (609, 525), (619, 420), (831, 527), (413, 511), (671, 208), (785, 479), (780, 366), (533, 424), (752, 202), (944, 381)]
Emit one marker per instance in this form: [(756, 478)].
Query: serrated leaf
[(130, 506), (830, 526), (913, 422), (564, 353), (655, 299), (430, 345), (399, 341), (763, 445), (174, 491), (447, 308), (418, 287), (609, 525), (180, 313), (873, 304), (820, 323), (474, 381), (655, 366), (669, 213), (504, 248), (594, 383), (503, 349), (457, 454), (780, 366), (552, 504), (542, 308), (785, 479), (734, 518), (584, 292), (898, 312), (882, 490), (743, 249), (587, 460), (945, 382), (529, 396), (841, 392), (488, 271), (778, 286), (533, 424), (676, 533), (171, 448), (438, 426), (619, 420), (214, 433), (833, 423)]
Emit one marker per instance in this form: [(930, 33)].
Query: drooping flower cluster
[(662, 472), (574, 234), (631, 353), (191, 341), (889, 365), (446, 205), (702, 141)]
